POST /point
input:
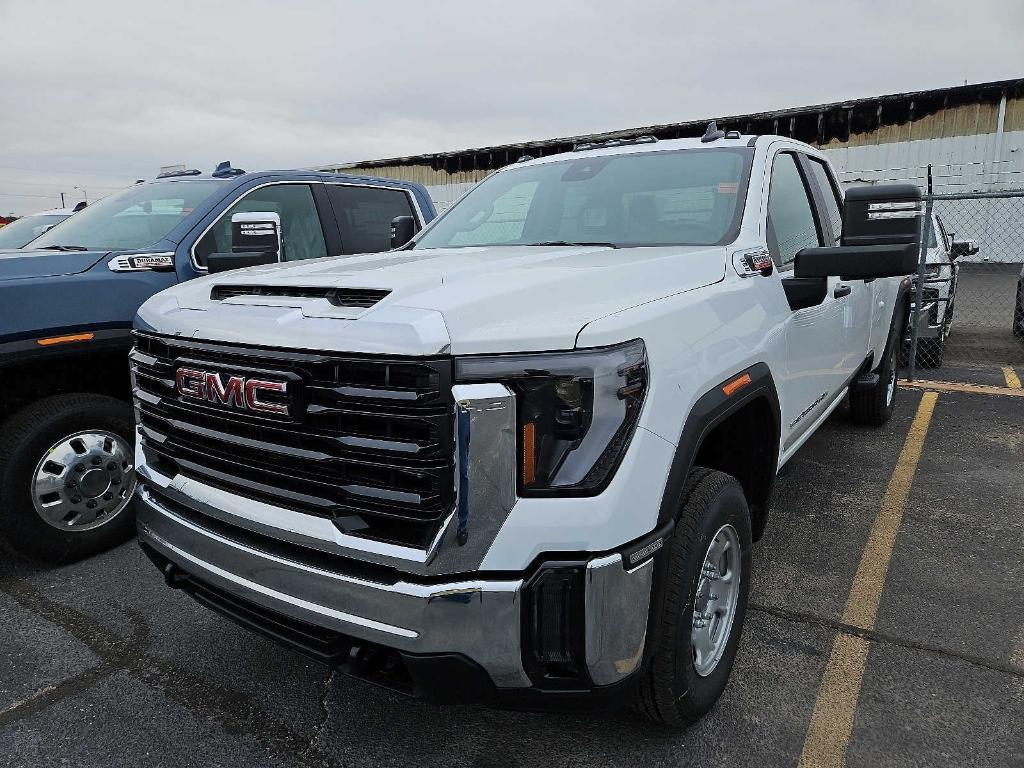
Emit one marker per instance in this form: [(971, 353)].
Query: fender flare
[(710, 410)]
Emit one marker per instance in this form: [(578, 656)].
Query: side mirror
[(402, 230), (255, 239), (881, 236), (960, 248)]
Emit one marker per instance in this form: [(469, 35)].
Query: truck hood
[(21, 264), (462, 300)]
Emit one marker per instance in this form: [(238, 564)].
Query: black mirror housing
[(960, 248), (223, 262), (865, 262), (886, 214), (881, 236), (402, 230)]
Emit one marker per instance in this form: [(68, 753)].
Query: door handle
[(841, 290)]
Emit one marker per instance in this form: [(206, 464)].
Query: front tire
[(704, 604), (67, 476)]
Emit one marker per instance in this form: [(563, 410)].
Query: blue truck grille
[(366, 441)]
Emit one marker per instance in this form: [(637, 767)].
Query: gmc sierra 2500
[(522, 459)]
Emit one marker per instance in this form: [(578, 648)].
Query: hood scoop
[(359, 298)]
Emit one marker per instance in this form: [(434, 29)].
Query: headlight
[(577, 412)]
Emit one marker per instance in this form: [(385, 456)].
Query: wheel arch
[(714, 422), (98, 367)]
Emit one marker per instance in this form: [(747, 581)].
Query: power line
[(20, 194), (67, 173)]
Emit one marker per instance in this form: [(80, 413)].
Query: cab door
[(817, 355), (858, 303)]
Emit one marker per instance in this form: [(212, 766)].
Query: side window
[(791, 224), (829, 194), (302, 236), (364, 215)]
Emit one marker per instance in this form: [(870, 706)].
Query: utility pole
[(62, 200), (84, 194)]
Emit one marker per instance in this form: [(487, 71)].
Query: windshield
[(26, 229), (137, 217), (685, 197)]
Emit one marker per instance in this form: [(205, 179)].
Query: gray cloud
[(98, 94)]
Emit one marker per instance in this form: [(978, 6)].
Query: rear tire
[(35, 475), (680, 684), (873, 406)]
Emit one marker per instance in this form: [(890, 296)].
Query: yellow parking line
[(959, 386), (1012, 379), (831, 726)]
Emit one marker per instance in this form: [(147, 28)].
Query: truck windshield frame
[(134, 218), (670, 197)]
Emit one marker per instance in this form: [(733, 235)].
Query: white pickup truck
[(522, 458)]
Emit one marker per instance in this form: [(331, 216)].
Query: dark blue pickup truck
[(67, 301)]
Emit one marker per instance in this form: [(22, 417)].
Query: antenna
[(712, 133)]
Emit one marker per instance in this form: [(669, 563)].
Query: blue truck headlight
[(577, 412)]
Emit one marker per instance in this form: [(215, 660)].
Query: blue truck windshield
[(685, 197), (137, 217)]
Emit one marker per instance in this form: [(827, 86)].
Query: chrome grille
[(368, 441)]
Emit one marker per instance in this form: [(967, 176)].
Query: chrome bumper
[(477, 618)]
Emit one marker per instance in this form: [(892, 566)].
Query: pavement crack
[(233, 711), (52, 694), (325, 712), (885, 638)]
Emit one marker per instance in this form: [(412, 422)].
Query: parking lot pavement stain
[(232, 711), (831, 726), (36, 655)]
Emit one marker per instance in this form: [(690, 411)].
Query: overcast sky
[(96, 94)]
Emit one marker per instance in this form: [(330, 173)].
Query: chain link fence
[(969, 286)]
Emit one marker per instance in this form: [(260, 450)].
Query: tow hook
[(174, 577)]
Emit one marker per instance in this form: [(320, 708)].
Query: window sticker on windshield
[(728, 187)]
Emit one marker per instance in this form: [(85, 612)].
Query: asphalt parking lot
[(886, 628)]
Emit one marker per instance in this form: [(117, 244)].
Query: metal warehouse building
[(972, 135)]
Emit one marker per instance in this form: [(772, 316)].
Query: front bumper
[(931, 318), (479, 624)]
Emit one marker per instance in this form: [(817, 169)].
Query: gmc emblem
[(236, 392)]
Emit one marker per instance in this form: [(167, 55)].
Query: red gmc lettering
[(252, 386), (229, 394), (236, 392), (190, 383)]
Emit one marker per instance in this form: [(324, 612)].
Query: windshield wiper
[(64, 248), (568, 242)]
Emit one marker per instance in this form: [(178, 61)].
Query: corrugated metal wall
[(971, 147)]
